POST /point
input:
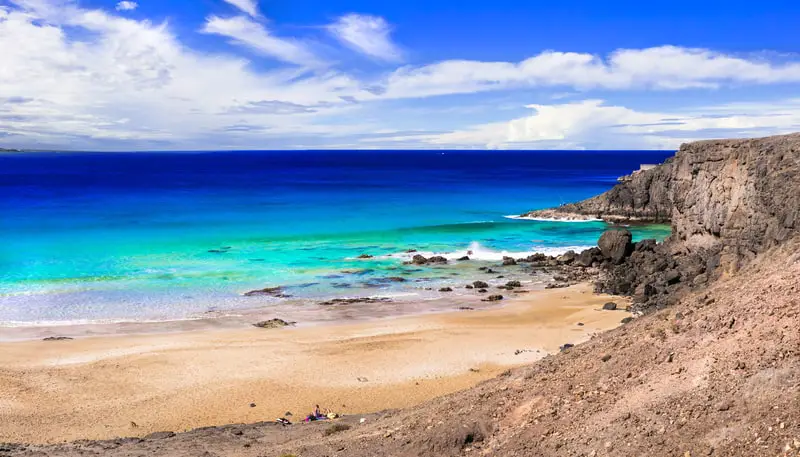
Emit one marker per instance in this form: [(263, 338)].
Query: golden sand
[(106, 387)]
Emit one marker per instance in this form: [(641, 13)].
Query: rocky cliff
[(642, 196), (730, 200)]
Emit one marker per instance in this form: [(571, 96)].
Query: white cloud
[(594, 124), (86, 78), (248, 6), (664, 68), (127, 6), (366, 34), (255, 36)]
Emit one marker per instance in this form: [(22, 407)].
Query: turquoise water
[(147, 236)]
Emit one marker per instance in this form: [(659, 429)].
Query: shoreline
[(130, 385)]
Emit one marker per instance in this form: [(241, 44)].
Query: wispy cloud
[(367, 34), (127, 6), (248, 6), (255, 36), (595, 124)]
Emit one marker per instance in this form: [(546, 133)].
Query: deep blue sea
[(143, 236)]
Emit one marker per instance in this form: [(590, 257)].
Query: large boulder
[(616, 244)]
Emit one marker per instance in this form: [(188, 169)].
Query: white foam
[(477, 252), (551, 219)]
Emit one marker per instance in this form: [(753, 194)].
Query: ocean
[(115, 237)]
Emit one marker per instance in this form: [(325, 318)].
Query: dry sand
[(105, 387)]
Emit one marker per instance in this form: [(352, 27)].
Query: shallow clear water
[(163, 236)]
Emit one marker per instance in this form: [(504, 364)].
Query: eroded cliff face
[(738, 197)]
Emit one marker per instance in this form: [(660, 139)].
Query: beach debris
[(446, 289), (465, 308), (57, 338), (134, 424), (580, 324), (271, 291), (475, 370), (252, 405), (480, 284), (610, 306), (362, 379), (283, 421), (362, 420), (493, 298), (606, 358), (288, 414), (364, 256), (520, 351), (273, 323), (348, 301), (565, 347)]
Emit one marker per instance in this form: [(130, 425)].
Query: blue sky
[(276, 74)]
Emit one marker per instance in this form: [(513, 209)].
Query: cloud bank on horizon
[(133, 76)]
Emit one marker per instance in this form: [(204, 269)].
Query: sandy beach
[(131, 385)]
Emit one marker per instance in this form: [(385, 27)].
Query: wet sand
[(131, 385)]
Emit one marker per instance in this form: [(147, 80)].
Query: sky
[(355, 74)]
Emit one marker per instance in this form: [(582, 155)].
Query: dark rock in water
[(494, 298), (410, 251), (469, 286), (490, 271), (364, 256), (512, 284), (348, 301), (57, 338), (480, 284), (482, 291), (566, 346), (461, 259), (616, 244), (509, 261), (257, 260), (446, 289), (419, 260), (159, 435), (437, 259), (271, 291), (626, 320), (341, 285), (395, 279), (610, 306), (483, 268), (273, 323), (217, 251)]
